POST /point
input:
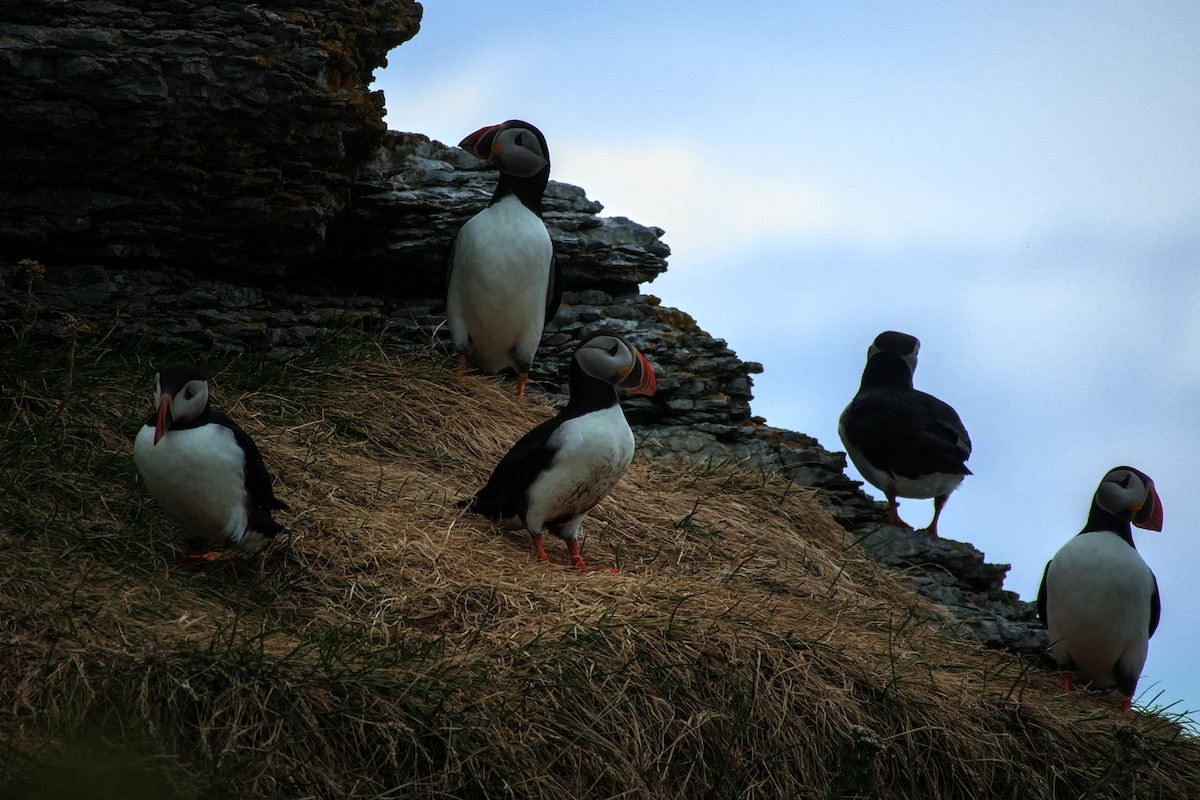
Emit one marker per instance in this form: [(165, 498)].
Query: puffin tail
[(487, 504)]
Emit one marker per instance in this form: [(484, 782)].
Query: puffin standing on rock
[(905, 442), (503, 283), (558, 471), (1098, 599), (203, 469)]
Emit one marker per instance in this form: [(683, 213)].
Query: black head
[(608, 356), (180, 395), (891, 359), (516, 147), (1129, 495)]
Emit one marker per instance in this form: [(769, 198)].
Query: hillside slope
[(391, 646)]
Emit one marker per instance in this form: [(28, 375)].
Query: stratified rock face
[(955, 575), (412, 199), (218, 134)]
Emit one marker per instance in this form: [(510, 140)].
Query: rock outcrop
[(219, 135), (217, 175)]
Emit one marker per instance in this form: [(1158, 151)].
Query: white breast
[(197, 475), (593, 452), (498, 285), (1098, 606)]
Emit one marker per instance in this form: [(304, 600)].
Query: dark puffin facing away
[(1098, 599), (203, 469), (558, 471), (503, 283), (905, 442)]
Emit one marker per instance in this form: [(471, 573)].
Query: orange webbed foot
[(577, 560), (198, 557)]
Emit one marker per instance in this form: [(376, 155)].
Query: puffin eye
[(189, 393), (1124, 482)]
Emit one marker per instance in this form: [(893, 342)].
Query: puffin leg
[(938, 502), (577, 559), (1068, 681), (521, 379), (1126, 686), (893, 513), (537, 545), (462, 365)]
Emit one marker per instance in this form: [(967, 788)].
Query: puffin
[(905, 442), (503, 282), (204, 470), (558, 471), (1098, 599)]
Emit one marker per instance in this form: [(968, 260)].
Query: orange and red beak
[(1150, 515), (640, 379), (166, 415), (479, 143)]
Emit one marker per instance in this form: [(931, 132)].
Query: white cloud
[(707, 206)]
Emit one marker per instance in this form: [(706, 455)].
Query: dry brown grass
[(390, 646)]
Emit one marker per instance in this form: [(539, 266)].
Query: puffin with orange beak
[(561, 469), (503, 283), (204, 470), (1098, 598)]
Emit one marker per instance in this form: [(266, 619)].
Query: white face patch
[(191, 399), (188, 402), (1121, 493), (518, 152), (605, 357)]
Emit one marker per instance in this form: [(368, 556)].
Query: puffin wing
[(909, 432), (503, 496), (258, 479), (947, 426), (448, 265), (1041, 599), (1155, 608), (553, 288)]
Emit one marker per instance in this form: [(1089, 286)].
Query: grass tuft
[(389, 646)]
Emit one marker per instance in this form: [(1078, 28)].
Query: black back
[(259, 485), (903, 430)]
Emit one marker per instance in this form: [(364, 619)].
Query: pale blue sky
[(1017, 184)]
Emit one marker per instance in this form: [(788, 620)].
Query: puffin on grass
[(204, 470), (905, 442), (558, 471), (1098, 599), (503, 283)]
